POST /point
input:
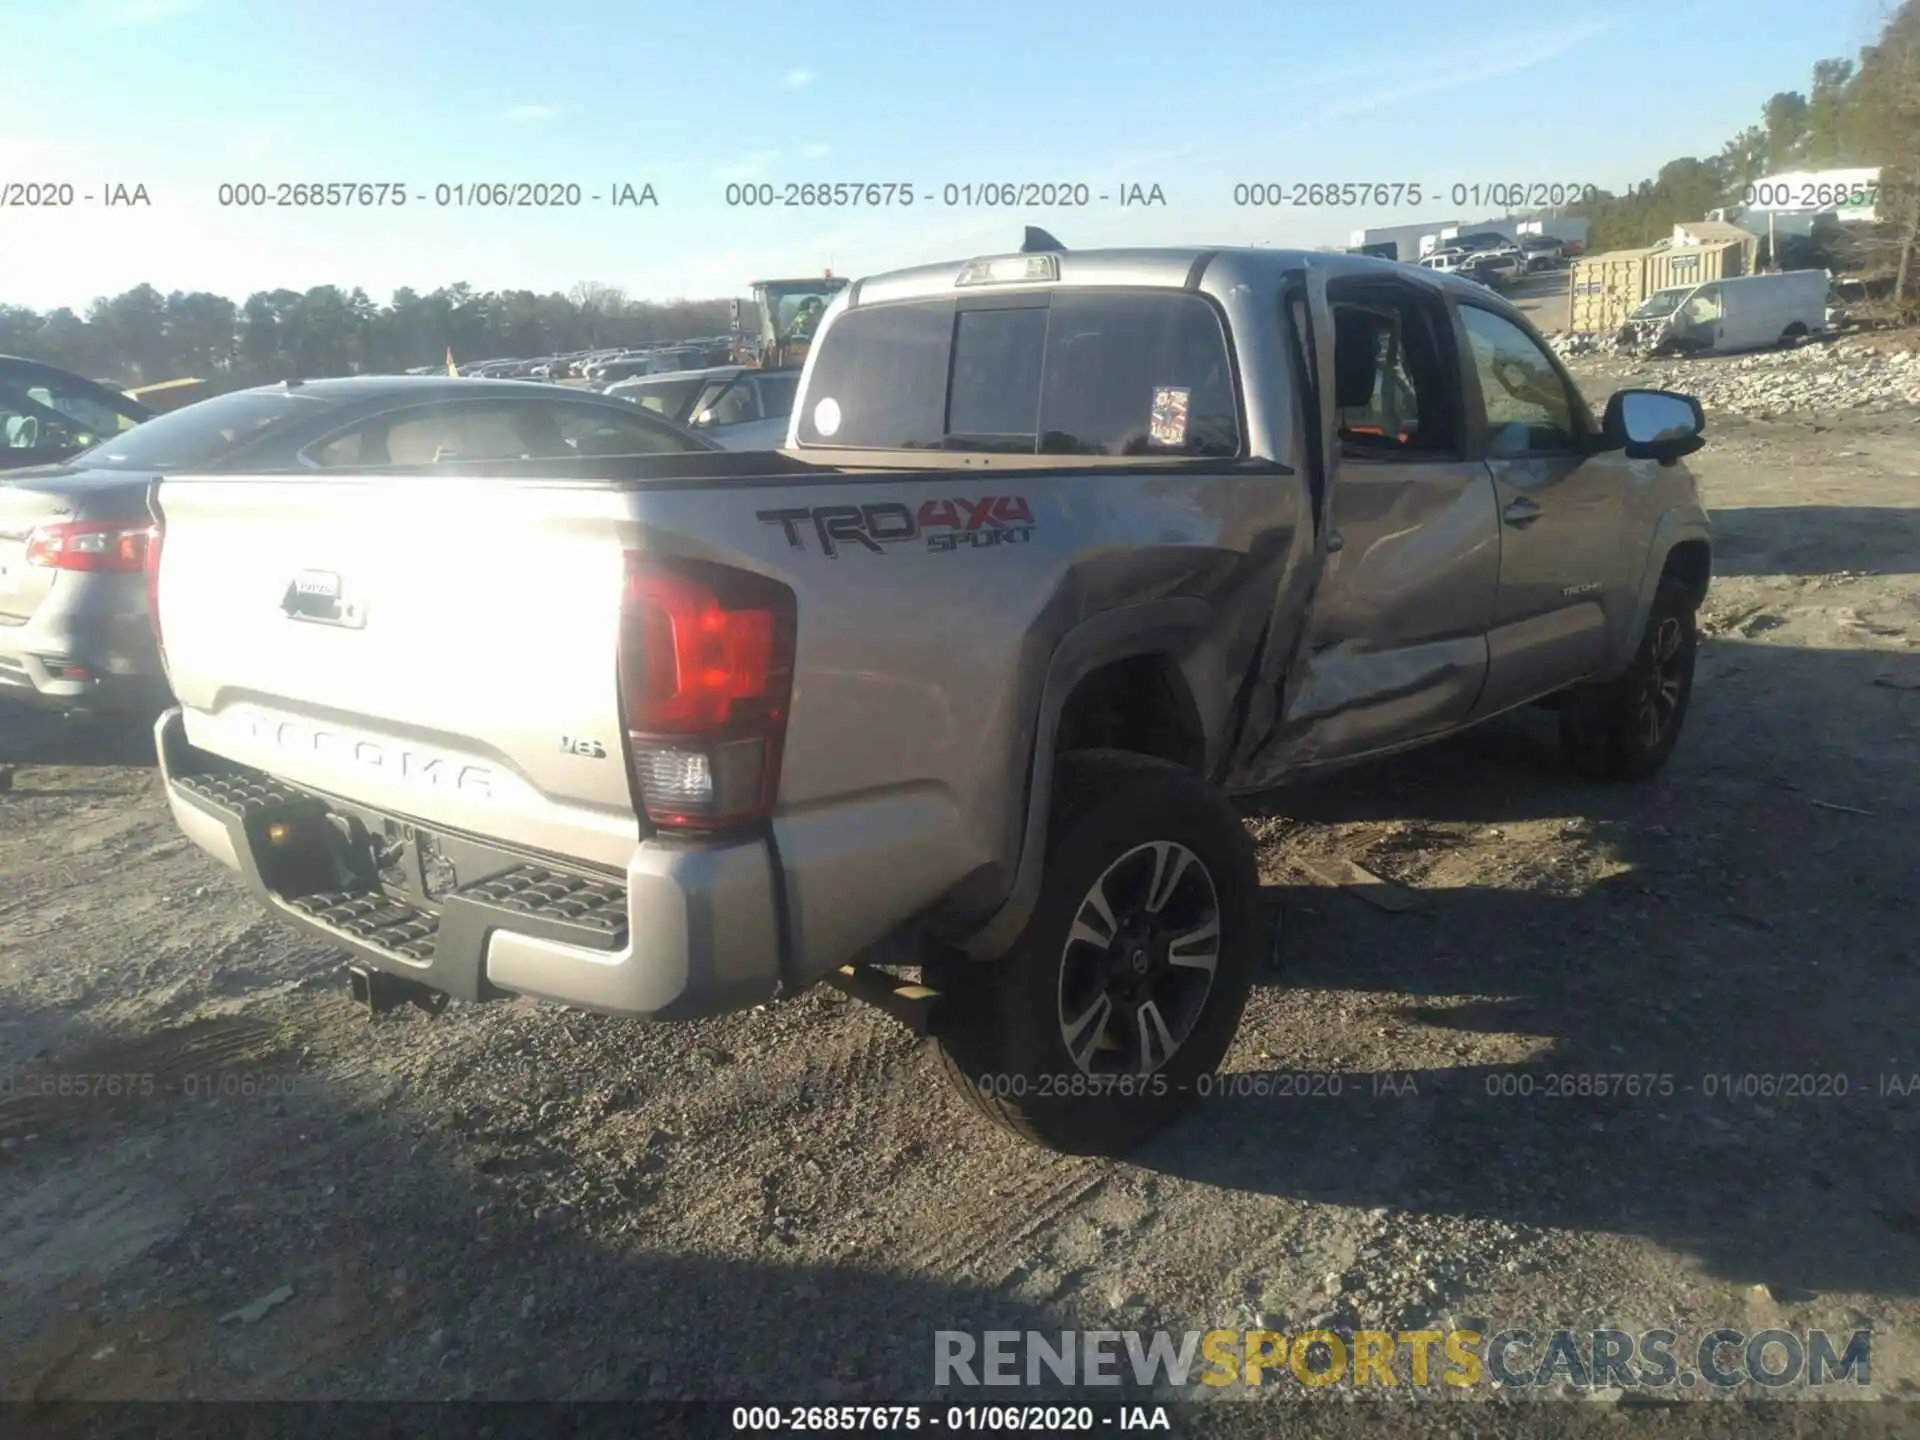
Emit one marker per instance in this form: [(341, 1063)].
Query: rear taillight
[(155, 536), (706, 671), (90, 545)]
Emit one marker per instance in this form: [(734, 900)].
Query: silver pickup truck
[(1064, 549)]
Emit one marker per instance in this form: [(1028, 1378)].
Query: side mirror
[(1654, 424), (703, 419)]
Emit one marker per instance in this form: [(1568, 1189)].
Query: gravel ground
[(288, 1200)]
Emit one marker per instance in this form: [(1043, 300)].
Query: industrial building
[(1404, 238)]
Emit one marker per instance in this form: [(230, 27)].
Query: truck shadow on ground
[(1816, 540), (1739, 981), (133, 1227), (31, 736)]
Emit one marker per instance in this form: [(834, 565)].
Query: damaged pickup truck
[(1065, 549)]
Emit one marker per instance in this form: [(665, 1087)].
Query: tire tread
[(1594, 732)]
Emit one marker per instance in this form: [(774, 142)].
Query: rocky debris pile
[(1775, 383), (1570, 343), (1847, 375)]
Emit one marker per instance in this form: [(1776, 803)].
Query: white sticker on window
[(1167, 423), (826, 416)]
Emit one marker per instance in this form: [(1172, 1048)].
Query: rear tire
[(1064, 1040), (1626, 729)]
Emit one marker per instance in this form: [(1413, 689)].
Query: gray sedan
[(74, 537)]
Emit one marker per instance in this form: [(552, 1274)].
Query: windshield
[(98, 419), (1661, 304), (797, 309), (198, 435)]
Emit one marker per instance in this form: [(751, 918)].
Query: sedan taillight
[(90, 545)]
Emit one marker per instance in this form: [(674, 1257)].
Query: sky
[(426, 97)]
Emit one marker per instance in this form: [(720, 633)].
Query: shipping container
[(1694, 265), (1602, 289)]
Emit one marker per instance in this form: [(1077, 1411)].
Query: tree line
[(141, 335), (1860, 112)]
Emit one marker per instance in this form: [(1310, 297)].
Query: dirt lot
[(1544, 297), (521, 1201)]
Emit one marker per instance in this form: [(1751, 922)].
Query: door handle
[(1521, 512), (1335, 542)]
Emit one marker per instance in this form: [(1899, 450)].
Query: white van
[(1747, 312)]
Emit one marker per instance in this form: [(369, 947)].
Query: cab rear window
[(1074, 372)]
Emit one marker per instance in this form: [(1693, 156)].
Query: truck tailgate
[(441, 648)]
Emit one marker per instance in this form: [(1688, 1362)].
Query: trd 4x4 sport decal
[(945, 525)]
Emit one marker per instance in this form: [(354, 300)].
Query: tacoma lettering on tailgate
[(945, 525), (411, 767)]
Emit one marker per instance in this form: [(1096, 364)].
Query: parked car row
[(602, 365), (1495, 260)]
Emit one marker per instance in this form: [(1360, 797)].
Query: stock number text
[(1578, 1086), (311, 195), (1274, 194), (833, 195), (1784, 195)]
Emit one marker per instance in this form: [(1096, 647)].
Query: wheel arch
[(1128, 680), (1691, 562), (1682, 546)]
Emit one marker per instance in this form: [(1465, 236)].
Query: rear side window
[(498, 430), (203, 434), (880, 379), (995, 396), (1141, 374), (1085, 372)]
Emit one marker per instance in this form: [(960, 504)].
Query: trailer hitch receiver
[(381, 992)]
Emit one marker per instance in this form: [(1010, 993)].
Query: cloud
[(747, 166), (124, 14), (1439, 73), (530, 113), (797, 79), (816, 152)]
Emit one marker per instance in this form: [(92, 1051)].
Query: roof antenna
[(1038, 241)]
